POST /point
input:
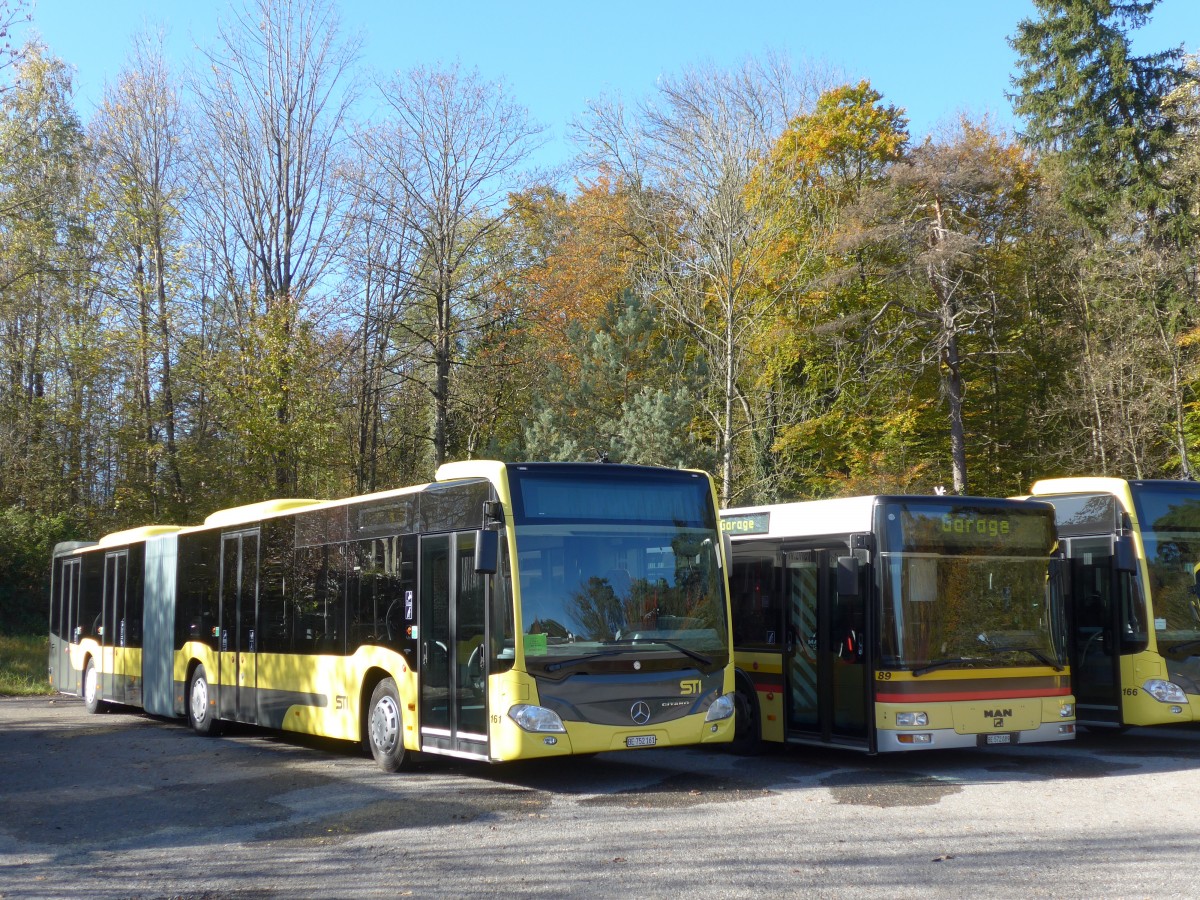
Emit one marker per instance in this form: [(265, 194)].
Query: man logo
[(640, 712)]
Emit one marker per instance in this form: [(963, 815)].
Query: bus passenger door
[(1095, 638), (112, 654), (825, 659), (67, 598), (848, 649), (802, 654), (239, 606), (452, 655)]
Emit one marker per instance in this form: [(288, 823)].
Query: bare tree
[(692, 153), (454, 145), (379, 250), (273, 102), (1130, 391), (11, 12)]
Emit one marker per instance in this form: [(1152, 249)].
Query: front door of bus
[(1096, 589), (112, 653), (452, 671), (824, 660), (239, 605)]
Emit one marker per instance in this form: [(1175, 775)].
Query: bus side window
[(320, 610), (274, 610), (754, 602)]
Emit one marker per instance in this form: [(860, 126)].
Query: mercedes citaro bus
[(1134, 550), (502, 612)]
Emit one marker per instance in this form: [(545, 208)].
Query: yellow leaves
[(849, 137), (587, 262), (1190, 338)]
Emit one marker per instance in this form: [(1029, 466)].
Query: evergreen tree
[(633, 400), (1095, 105)]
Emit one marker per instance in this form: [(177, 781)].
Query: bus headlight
[(1164, 691), (721, 708), (536, 718), (1066, 710), (912, 719)]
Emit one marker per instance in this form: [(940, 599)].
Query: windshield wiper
[(970, 662), (1175, 648), (576, 660), (941, 664), (1032, 651), (699, 657)]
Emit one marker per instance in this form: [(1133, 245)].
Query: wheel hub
[(385, 724)]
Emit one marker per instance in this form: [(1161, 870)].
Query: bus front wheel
[(747, 728), (200, 706), (385, 728), (91, 687)]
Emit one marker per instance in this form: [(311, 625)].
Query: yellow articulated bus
[(1134, 550), (503, 612), (891, 623)]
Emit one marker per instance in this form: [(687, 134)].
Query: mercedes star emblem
[(640, 712)]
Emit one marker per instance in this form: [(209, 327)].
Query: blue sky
[(935, 58)]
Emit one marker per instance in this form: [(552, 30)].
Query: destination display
[(955, 527), (748, 523)]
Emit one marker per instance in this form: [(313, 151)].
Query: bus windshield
[(621, 561), (969, 585), (1170, 518)]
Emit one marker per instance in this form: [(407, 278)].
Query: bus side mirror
[(1123, 556), (847, 576), (487, 551)]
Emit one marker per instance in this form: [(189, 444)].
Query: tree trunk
[(953, 385), (168, 394)]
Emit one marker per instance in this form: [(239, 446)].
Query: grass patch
[(23, 662)]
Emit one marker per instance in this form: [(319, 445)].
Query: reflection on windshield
[(619, 582), (998, 611), (1173, 559), (1170, 517)]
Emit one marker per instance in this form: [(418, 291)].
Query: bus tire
[(747, 729), (200, 708), (91, 687), (385, 728)]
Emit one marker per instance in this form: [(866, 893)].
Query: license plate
[(999, 738), (641, 740)]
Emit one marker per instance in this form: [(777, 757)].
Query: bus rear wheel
[(200, 707), (91, 687), (385, 728)]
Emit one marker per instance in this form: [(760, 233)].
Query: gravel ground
[(127, 805)]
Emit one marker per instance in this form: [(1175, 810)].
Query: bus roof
[(1079, 485), (842, 515), (252, 512), (136, 535)]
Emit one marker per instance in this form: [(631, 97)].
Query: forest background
[(224, 287)]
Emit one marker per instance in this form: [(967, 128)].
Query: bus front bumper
[(935, 738)]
